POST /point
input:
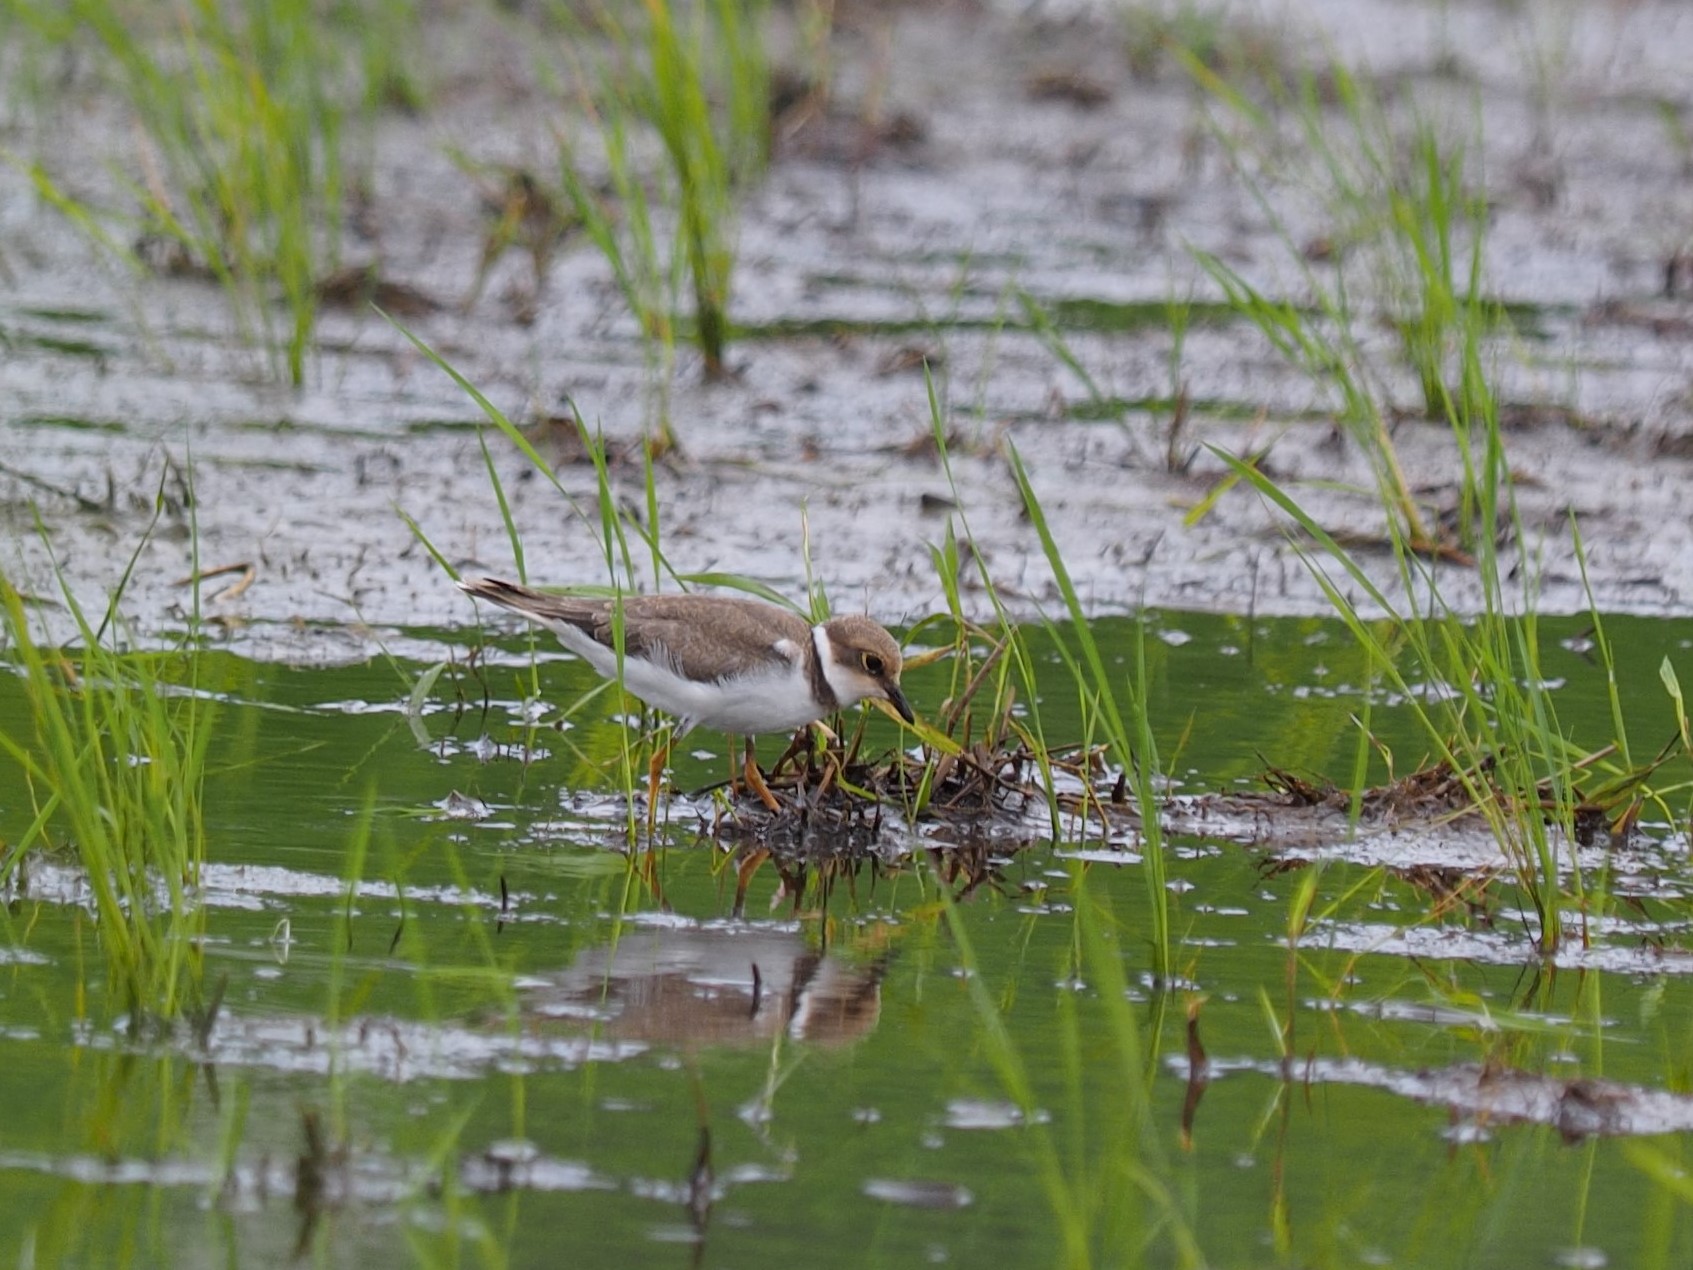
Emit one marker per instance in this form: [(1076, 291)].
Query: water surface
[(513, 1039)]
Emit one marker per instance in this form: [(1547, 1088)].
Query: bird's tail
[(520, 599)]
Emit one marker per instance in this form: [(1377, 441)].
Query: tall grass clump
[(1401, 200), (1401, 197), (694, 79), (1441, 309), (243, 111), (1475, 683), (1114, 707), (1407, 228), (113, 753)]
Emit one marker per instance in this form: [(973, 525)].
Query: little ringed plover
[(728, 663)]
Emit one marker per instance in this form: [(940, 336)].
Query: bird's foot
[(756, 782)]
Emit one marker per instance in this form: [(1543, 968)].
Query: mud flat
[(1040, 153)]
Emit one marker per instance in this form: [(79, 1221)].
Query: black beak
[(897, 699)]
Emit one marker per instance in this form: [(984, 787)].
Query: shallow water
[(513, 1036)]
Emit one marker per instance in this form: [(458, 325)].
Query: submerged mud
[(1034, 150)]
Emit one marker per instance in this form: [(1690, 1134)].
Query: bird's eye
[(872, 664)]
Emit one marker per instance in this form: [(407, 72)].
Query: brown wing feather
[(706, 636)]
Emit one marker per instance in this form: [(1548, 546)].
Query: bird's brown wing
[(704, 636), (707, 636)]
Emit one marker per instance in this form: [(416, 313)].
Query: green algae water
[(458, 1021)]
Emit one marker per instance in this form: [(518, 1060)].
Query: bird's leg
[(655, 773), (755, 780)]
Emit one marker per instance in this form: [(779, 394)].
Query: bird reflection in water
[(702, 985)]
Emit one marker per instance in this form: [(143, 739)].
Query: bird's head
[(861, 660)]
